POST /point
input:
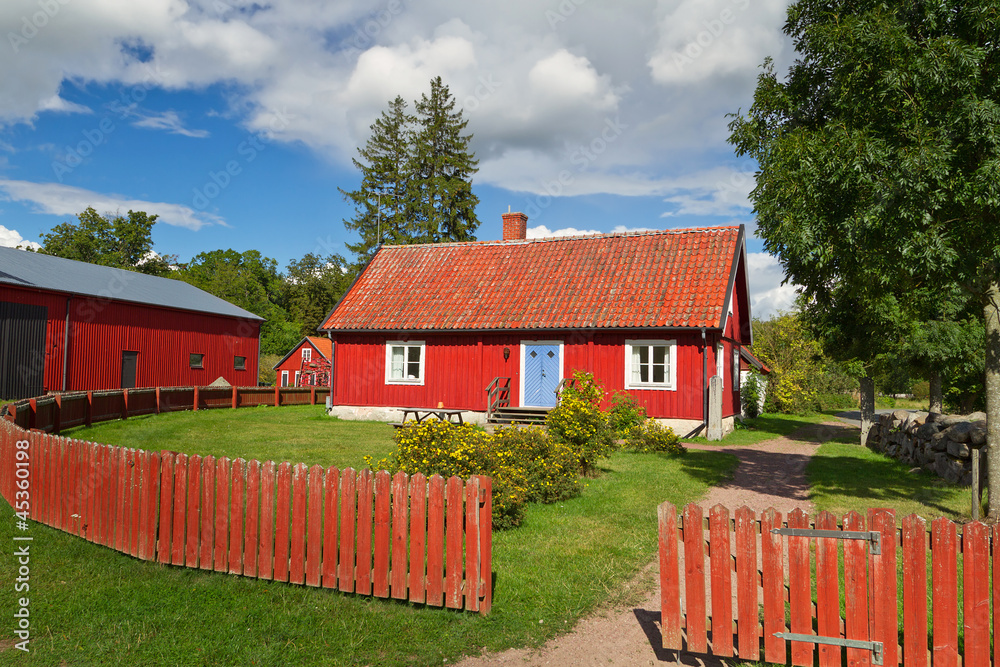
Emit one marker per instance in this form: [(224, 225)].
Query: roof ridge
[(544, 239)]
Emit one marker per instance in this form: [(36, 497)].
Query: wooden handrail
[(497, 395)]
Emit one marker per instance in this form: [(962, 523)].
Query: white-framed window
[(307, 354), (651, 364), (296, 379), (736, 367), (284, 378), (720, 364), (404, 362)]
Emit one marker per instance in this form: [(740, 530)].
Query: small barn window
[(307, 354), (284, 378), (240, 363), (404, 362), (197, 360), (650, 364)]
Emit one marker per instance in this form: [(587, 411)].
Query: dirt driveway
[(771, 474)]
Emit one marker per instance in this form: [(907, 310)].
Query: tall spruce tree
[(443, 170), (416, 177)]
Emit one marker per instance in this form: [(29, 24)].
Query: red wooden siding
[(293, 363), (145, 511), (101, 330)]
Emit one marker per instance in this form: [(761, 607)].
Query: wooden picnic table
[(420, 414)]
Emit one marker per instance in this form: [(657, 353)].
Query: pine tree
[(383, 203), (443, 170)]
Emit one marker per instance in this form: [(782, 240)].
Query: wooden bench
[(419, 415)]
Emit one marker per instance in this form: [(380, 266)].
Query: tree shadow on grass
[(708, 467)]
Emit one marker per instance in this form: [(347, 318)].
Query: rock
[(958, 432), (900, 415), (959, 450), (948, 468), (950, 420), (919, 418), (927, 430), (939, 441), (977, 417), (916, 471), (977, 436), (933, 417)]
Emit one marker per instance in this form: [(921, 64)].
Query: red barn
[(654, 314), (67, 326), (307, 365)]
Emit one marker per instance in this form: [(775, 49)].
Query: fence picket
[(884, 599), (976, 594), (193, 511), (856, 591), (670, 584), (149, 502), (86, 489), (314, 540), (180, 496), (720, 564), (166, 500), (220, 561), (251, 537), (453, 544), (995, 535), (799, 594), (265, 549), (297, 553), (472, 544), (281, 521), (694, 578), (486, 545), (400, 522), (944, 578), (435, 541), (418, 534), (133, 491), (747, 608), (827, 591), (237, 504), (348, 498), (380, 571), (363, 558), (914, 591), (207, 511), (331, 494)]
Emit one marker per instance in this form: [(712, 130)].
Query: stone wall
[(940, 444)]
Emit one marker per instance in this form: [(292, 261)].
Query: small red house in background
[(655, 314), (73, 326), (307, 365)]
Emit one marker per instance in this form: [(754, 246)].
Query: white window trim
[(736, 368), (562, 359), (296, 379), (284, 378), (307, 354), (388, 361), (670, 384), (720, 363)]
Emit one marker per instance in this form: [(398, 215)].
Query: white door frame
[(524, 344)]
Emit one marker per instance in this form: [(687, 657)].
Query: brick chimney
[(515, 226)]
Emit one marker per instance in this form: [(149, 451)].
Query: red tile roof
[(676, 278), (323, 344)]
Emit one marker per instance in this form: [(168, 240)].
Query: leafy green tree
[(248, 280), (383, 204), (312, 286), (443, 170), (416, 177), (879, 160), (795, 358), (124, 242)]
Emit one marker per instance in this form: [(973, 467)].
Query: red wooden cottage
[(307, 365), (655, 314), (67, 326)]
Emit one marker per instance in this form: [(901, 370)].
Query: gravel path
[(770, 474)]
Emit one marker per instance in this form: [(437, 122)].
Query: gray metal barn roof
[(34, 271)]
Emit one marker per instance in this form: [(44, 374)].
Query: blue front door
[(541, 375)]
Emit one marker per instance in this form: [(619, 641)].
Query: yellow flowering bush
[(526, 464), (579, 422), (651, 436)]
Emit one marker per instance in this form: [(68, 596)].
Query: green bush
[(921, 390), (625, 414), (651, 436), (579, 422), (526, 465), (750, 395), (836, 402)]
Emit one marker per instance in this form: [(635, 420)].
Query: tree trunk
[(992, 313), (867, 391), (937, 397)]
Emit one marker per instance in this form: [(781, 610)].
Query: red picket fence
[(55, 412), (424, 540), (777, 571)]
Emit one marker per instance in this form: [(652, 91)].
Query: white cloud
[(543, 232), (169, 121), (767, 295), (9, 238), (58, 104), (56, 199)]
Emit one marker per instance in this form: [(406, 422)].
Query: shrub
[(651, 436), (526, 465), (921, 390), (625, 414), (750, 395), (836, 402), (579, 422)]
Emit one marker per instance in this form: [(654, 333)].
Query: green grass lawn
[(91, 605), (768, 426)]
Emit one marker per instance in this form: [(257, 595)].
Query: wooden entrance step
[(509, 415)]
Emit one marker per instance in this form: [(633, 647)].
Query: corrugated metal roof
[(34, 271), (675, 278)]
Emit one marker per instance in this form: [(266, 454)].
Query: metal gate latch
[(872, 537), (874, 647)]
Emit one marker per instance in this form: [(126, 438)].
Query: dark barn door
[(129, 363), (22, 350)]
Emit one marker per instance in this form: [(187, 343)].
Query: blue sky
[(236, 122)]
